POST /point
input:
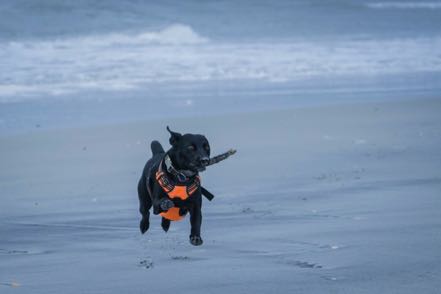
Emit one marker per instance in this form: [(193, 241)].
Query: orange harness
[(174, 190)]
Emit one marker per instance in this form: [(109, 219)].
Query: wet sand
[(327, 199)]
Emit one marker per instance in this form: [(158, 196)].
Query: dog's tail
[(156, 148)]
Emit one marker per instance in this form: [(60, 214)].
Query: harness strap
[(207, 194), (175, 191)]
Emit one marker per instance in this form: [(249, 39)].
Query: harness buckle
[(181, 177)]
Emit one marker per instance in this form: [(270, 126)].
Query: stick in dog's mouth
[(220, 157)]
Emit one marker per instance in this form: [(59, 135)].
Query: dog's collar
[(181, 175)]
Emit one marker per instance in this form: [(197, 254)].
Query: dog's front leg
[(161, 202), (196, 221)]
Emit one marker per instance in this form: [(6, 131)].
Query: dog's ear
[(174, 137)]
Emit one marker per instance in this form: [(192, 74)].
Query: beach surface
[(340, 198)]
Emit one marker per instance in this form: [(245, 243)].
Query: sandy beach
[(334, 109), (329, 199)]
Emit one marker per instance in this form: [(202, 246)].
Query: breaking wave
[(177, 53), (405, 5)]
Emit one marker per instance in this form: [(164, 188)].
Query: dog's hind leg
[(165, 224), (145, 203)]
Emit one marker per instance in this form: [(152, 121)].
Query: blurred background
[(69, 63)]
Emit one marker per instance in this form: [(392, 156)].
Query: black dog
[(170, 182)]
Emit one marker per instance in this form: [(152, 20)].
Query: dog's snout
[(205, 160)]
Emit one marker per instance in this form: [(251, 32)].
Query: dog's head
[(189, 151)]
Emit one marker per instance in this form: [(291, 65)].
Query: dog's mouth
[(201, 168), (197, 167)]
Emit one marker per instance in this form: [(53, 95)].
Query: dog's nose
[(205, 161)]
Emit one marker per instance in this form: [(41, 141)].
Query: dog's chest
[(174, 190)]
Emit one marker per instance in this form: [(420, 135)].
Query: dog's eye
[(191, 147), (206, 147)]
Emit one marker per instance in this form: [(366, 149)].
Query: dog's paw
[(196, 240), (165, 224), (166, 204), (144, 225)]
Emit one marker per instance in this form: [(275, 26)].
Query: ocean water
[(68, 63)]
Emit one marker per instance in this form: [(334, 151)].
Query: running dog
[(170, 182)]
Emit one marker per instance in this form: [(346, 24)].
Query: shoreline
[(186, 100), (189, 114)]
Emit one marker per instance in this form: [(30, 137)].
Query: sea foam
[(404, 5), (114, 62)]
